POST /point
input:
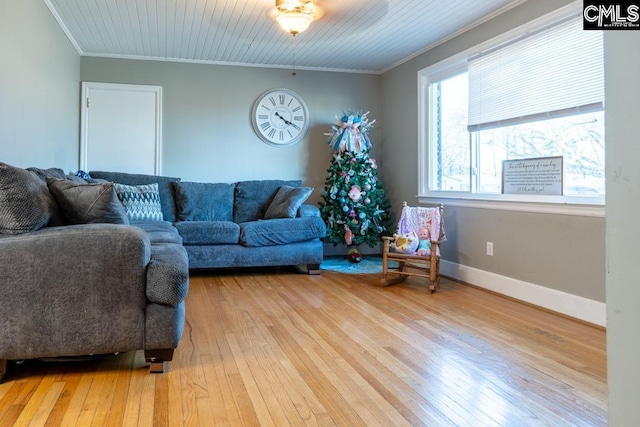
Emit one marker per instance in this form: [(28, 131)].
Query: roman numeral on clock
[(264, 126)]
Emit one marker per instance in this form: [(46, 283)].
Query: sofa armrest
[(308, 210), (72, 290), (168, 274)]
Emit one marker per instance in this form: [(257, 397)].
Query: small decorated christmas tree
[(354, 205)]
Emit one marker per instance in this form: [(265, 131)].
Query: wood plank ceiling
[(351, 35)]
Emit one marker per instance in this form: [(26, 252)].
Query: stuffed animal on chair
[(406, 242)]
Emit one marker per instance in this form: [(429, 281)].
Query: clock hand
[(283, 119)]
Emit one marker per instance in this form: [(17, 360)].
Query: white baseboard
[(570, 305)]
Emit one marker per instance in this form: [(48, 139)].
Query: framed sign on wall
[(535, 176)]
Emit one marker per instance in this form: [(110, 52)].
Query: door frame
[(84, 117)]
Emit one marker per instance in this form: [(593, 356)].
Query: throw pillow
[(252, 198), (25, 202), (82, 174), (287, 201), (165, 187), (87, 203), (141, 202), (405, 243), (43, 174)]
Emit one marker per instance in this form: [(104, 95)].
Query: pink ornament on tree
[(348, 236), (355, 193)]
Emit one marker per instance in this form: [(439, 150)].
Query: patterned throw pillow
[(141, 202), (82, 174)]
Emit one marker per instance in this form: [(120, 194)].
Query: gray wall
[(622, 92), (207, 133), (39, 88), (565, 253)]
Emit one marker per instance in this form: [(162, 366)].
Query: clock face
[(280, 117)]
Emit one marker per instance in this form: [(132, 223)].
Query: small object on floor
[(354, 255)]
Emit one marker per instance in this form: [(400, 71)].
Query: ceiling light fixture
[(295, 16)]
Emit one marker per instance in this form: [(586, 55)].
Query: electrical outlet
[(490, 248)]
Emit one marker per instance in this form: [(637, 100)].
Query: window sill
[(555, 205)]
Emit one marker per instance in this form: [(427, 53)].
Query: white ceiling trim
[(64, 27), (228, 63)]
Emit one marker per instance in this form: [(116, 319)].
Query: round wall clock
[(280, 117)]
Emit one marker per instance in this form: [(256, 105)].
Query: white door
[(121, 128)]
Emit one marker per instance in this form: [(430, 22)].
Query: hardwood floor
[(273, 347)]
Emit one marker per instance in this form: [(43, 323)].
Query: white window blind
[(554, 72)]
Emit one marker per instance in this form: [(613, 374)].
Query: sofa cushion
[(286, 202), (199, 201), (25, 201), (252, 198), (209, 232), (141, 202), (159, 231), (164, 187), (87, 203), (281, 231)]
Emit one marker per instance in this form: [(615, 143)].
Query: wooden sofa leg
[(3, 368), (313, 269), (158, 360)]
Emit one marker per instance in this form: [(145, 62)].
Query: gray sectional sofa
[(81, 276), (97, 286), (223, 225)]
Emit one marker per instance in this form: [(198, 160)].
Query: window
[(527, 95)]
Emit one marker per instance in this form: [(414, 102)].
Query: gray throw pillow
[(25, 202), (43, 174), (141, 202), (87, 203), (252, 198), (287, 201)]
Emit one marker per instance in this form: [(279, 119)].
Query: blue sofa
[(223, 225)]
